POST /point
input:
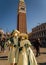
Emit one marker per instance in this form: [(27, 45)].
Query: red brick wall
[(21, 22)]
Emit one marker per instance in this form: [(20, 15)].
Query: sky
[(35, 14)]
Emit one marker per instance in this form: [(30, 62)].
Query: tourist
[(37, 47)]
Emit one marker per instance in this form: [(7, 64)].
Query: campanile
[(21, 17)]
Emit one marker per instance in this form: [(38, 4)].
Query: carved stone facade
[(39, 32)]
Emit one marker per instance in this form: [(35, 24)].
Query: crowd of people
[(20, 50)]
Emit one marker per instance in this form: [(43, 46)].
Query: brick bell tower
[(21, 17)]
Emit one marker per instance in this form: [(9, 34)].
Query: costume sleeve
[(32, 57)]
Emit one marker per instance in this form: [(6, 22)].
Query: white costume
[(14, 49), (13, 53), (22, 57), (26, 55), (31, 59)]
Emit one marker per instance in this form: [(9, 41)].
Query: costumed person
[(26, 55), (22, 52), (14, 50)]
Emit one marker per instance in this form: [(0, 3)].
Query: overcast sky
[(36, 14)]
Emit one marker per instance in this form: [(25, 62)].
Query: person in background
[(37, 47), (3, 44)]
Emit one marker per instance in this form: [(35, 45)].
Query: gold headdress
[(24, 36), (15, 33), (25, 41)]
